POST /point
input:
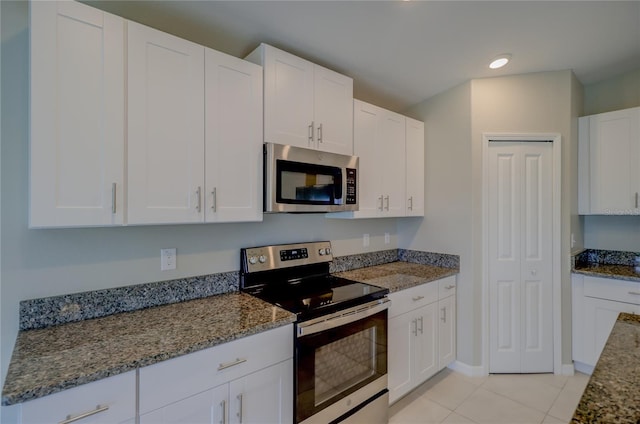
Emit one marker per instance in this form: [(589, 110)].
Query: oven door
[(341, 363)]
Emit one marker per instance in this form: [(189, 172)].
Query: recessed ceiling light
[(500, 61)]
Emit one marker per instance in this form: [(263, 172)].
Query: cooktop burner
[(296, 278)]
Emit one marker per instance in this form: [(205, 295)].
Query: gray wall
[(40, 263), (612, 232), (455, 122)]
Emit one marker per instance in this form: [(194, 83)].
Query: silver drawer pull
[(450, 287), (238, 361), (113, 197), (71, 419), (417, 298), (634, 293)]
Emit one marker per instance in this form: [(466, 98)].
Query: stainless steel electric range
[(340, 357)]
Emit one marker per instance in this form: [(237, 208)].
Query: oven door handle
[(342, 318)]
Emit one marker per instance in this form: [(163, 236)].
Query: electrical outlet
[(167, 259), (387, 238), (365, 240)]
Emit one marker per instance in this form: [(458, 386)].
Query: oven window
[(332, 364), (303, 183), (344, 363)]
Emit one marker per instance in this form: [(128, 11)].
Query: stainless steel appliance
[(306, 180), (340, 356)]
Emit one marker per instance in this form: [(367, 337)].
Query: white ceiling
[(400, 53)]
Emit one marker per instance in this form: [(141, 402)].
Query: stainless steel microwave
[(305, 180)]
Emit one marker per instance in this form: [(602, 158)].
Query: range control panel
[(266, 258)]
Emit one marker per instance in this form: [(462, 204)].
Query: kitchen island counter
[(53, 359), (612, 394), (399, 275)]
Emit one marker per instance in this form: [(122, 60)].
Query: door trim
[(556, 219)]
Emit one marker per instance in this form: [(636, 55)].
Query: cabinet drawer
[(117, 393), (179, 378), (415, 297), (611, 289), (446, 287)]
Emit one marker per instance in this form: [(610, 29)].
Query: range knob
[(253, 260), (327, 251), (262, 259), (322, 251)]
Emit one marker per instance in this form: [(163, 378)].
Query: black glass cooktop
[(309, 298)]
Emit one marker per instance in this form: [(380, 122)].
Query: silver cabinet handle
[(240, 408), (223, 405), (386, 199), (238, 361), (637, 200), (199, 199), (380, 199), (320, 134), (444, 315), (634, 293), (450, 287), (421, 325), (411, 203), (71, 419), (415, 327), (113, 197), (311, 132), (214, 203), (417, 298)]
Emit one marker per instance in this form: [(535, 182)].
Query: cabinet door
[(165, 128), (196, 409), (288, 98), (402, 331), (426, 361), (614, 140), (600, 315), (415, 167), (333, 111), (112, 400), (447, 331), (366, 139), (233, 149), (77, 116), (266, 396), (392, 162)]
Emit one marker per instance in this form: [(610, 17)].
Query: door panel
[(520, 250)]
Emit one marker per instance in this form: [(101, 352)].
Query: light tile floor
[(451, 397)]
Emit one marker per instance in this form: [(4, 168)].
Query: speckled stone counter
[(613, 392), (619, 272), (397, 276), (49, 360)]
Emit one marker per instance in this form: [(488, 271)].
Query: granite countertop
[(397, 276), (612, 394), (49, 360), (620, 272)]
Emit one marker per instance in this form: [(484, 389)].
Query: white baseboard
[(468, 370), (567, 369), (583, 368)]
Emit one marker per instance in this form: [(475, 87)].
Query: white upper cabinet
[(609, 163), (233, 148), (77, 116), (305, 105), (379, 142), (415, 167), (165, 128)]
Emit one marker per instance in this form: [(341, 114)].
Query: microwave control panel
[(351, 186)]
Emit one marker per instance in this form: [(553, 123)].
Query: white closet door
[(520, 257), (77, 116), (165, 128)]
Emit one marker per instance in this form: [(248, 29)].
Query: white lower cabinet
[(111, 400), (248, 380), (596, 304), (421, 334)]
